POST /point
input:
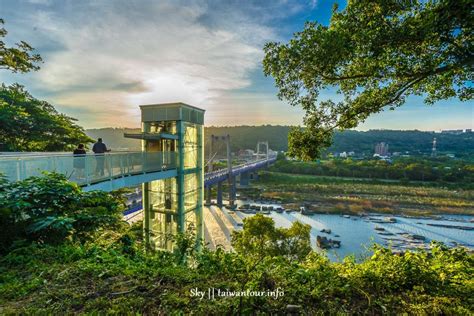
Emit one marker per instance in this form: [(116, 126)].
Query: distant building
[(381, 149), (452, 131), (343, 155)]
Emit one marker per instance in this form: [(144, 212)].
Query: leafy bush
[(261, 238), (103, 277), (50, 209)]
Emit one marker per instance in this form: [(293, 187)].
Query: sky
[(103, 58)]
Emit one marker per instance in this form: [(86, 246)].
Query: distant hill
[(401, 141), (243, 137), (113, 137)]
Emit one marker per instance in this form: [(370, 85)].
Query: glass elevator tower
[(173, 204)]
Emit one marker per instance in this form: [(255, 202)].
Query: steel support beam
[(219, 194), (232, 191), (208, 195), (244, 179), (180, 179)]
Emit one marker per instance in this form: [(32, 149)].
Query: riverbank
[(343, 196)]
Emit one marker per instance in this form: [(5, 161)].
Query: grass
[(355, 196), (102, 278)]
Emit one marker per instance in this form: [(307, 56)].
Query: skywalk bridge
[(170, 169), (121, 169)]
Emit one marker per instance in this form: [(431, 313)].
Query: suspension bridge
[(121, 169)]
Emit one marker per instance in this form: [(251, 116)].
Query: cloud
[(41, 2), (107, 57), (116, 55)]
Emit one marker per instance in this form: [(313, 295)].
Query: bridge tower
[(232, 193), (173, 205), (260, 153)]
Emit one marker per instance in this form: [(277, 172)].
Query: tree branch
[(404, 88)]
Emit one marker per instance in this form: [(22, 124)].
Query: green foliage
[(351, 195), (103, 277), (26, 123), (413, 142), (50, 209), (260, 238), (361, 142), (376, 53), (19, 58), (112, 273), (29, 124), (412, 169), (186, 244)]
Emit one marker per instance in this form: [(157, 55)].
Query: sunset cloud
[(104, 58), (115, 55)]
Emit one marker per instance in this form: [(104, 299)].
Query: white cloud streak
[(114, 56)]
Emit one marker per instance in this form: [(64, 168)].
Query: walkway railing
[(237, 169), (91, 168), (86, 169)]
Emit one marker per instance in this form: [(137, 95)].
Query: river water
[(357, 234)]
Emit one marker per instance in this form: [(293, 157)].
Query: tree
[(29, 124), (18, 58), (260, 238), (376, 53), (26, 123), (52, 209)]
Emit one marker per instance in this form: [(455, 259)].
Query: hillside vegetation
[(243, 137), (356, 196), (439, 170)]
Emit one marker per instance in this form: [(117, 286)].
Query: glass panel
[(190, 221), (168, 127), (191, 191), (89, 168), (163, 227), (190, 146), (163, 209), (163, 195)]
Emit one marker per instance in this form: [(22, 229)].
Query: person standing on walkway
[(79, 161), (99, 150)]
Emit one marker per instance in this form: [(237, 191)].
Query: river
[(357, 234)]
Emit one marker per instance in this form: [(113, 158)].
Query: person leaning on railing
[(79, 161), (99, 150)]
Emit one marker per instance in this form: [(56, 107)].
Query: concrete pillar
[(210, 167), (219, 194), (244, 179), (231, 191), (209, 195)]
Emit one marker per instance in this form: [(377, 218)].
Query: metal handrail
[(89, 168), (92, 168), (221, 172), (17, 155)]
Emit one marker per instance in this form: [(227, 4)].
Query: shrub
[(105, 278), (50, 209)]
